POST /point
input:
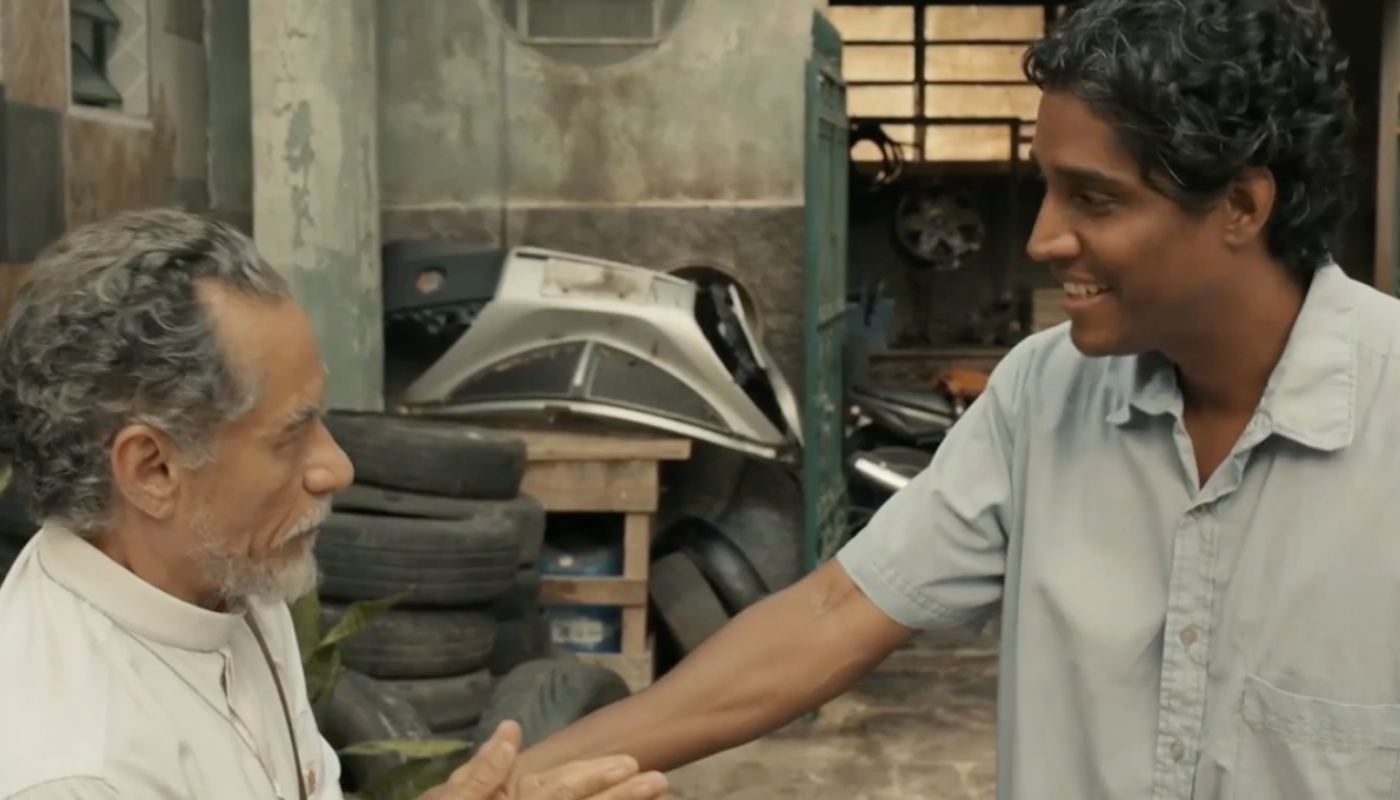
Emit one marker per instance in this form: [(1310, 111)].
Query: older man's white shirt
[(115, 689)]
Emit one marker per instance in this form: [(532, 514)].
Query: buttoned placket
[(245, 733), (1189, 625)]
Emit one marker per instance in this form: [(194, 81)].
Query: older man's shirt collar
[(129, 601)]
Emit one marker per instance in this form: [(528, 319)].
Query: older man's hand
[(488, 777)]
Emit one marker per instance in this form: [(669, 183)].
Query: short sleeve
[(934, 555), (69, 789)]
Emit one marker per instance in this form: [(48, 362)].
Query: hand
[(488, 777)]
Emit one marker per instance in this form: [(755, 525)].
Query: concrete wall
[(690, 153)]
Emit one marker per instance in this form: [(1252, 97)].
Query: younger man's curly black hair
[(1200, 90)]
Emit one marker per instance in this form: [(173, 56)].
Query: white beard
[(236, 577)]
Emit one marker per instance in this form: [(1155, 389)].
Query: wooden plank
[(591, 591), (616, 486), (597, 445), (636, 566), (637, 670)]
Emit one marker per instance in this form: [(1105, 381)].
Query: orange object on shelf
[(963, 383)]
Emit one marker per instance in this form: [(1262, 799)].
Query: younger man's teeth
[(1083, 289)]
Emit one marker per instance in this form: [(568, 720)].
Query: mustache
[(312, 520)]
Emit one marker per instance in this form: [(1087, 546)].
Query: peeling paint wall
[(469, 114), (315, 187)]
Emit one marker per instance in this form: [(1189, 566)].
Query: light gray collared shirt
[(1161, 639)]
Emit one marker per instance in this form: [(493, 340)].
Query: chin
[(1097, 342)]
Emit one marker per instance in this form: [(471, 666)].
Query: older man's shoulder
[(53, 710)]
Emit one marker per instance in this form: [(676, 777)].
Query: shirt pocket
[(1294, 747)]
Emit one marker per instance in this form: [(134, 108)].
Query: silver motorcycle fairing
[(576, 335)]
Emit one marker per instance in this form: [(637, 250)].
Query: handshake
[(490, 776)]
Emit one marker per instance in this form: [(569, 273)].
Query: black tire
[(9, 551), (523, 597), (454, 703), (547, 695), (525, 512), (443, 563), (430, 456), (765, 523), (525, 638), (685, 601), (16, 524), (360, 710), (736, 582), (404, 643), (701, 486)]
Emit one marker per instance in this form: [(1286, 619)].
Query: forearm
[(790, 653)]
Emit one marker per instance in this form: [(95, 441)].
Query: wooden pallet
[(589, 469)]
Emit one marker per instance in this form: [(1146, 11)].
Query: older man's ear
[(146, 470)]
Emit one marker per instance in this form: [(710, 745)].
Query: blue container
[(583, 629)]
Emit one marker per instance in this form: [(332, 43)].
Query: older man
[(164, 396)]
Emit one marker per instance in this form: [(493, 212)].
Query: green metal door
[(824, 302)]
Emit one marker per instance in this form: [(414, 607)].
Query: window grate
[(589, 22)]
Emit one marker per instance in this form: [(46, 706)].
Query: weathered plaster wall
[(230, 131), (713, 114), (315, 181)]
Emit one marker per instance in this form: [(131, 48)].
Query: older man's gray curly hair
[(110, 331)]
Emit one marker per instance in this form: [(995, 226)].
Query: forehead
[(1070, 135), (271, 343)]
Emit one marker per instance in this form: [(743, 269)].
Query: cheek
[(1141, 257), (264, 506)]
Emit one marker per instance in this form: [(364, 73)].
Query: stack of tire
[(436, 514), (738, 541)]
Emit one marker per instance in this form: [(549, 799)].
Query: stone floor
[(920, 728)]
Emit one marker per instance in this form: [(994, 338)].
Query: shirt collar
[(129, 601), (1311, 395)]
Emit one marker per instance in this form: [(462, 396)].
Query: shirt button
[(1178, 751), (1189, 636)]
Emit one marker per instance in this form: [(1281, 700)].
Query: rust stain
[(114, 166)]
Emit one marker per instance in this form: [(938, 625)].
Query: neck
[(1225, 362), (129, 546)]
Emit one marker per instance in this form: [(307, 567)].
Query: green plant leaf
[(409, 748), (7, 474), (322, 671), (411, 780), (306, 621), (357, 617)]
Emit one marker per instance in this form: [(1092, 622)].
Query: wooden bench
[(589, 469)]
